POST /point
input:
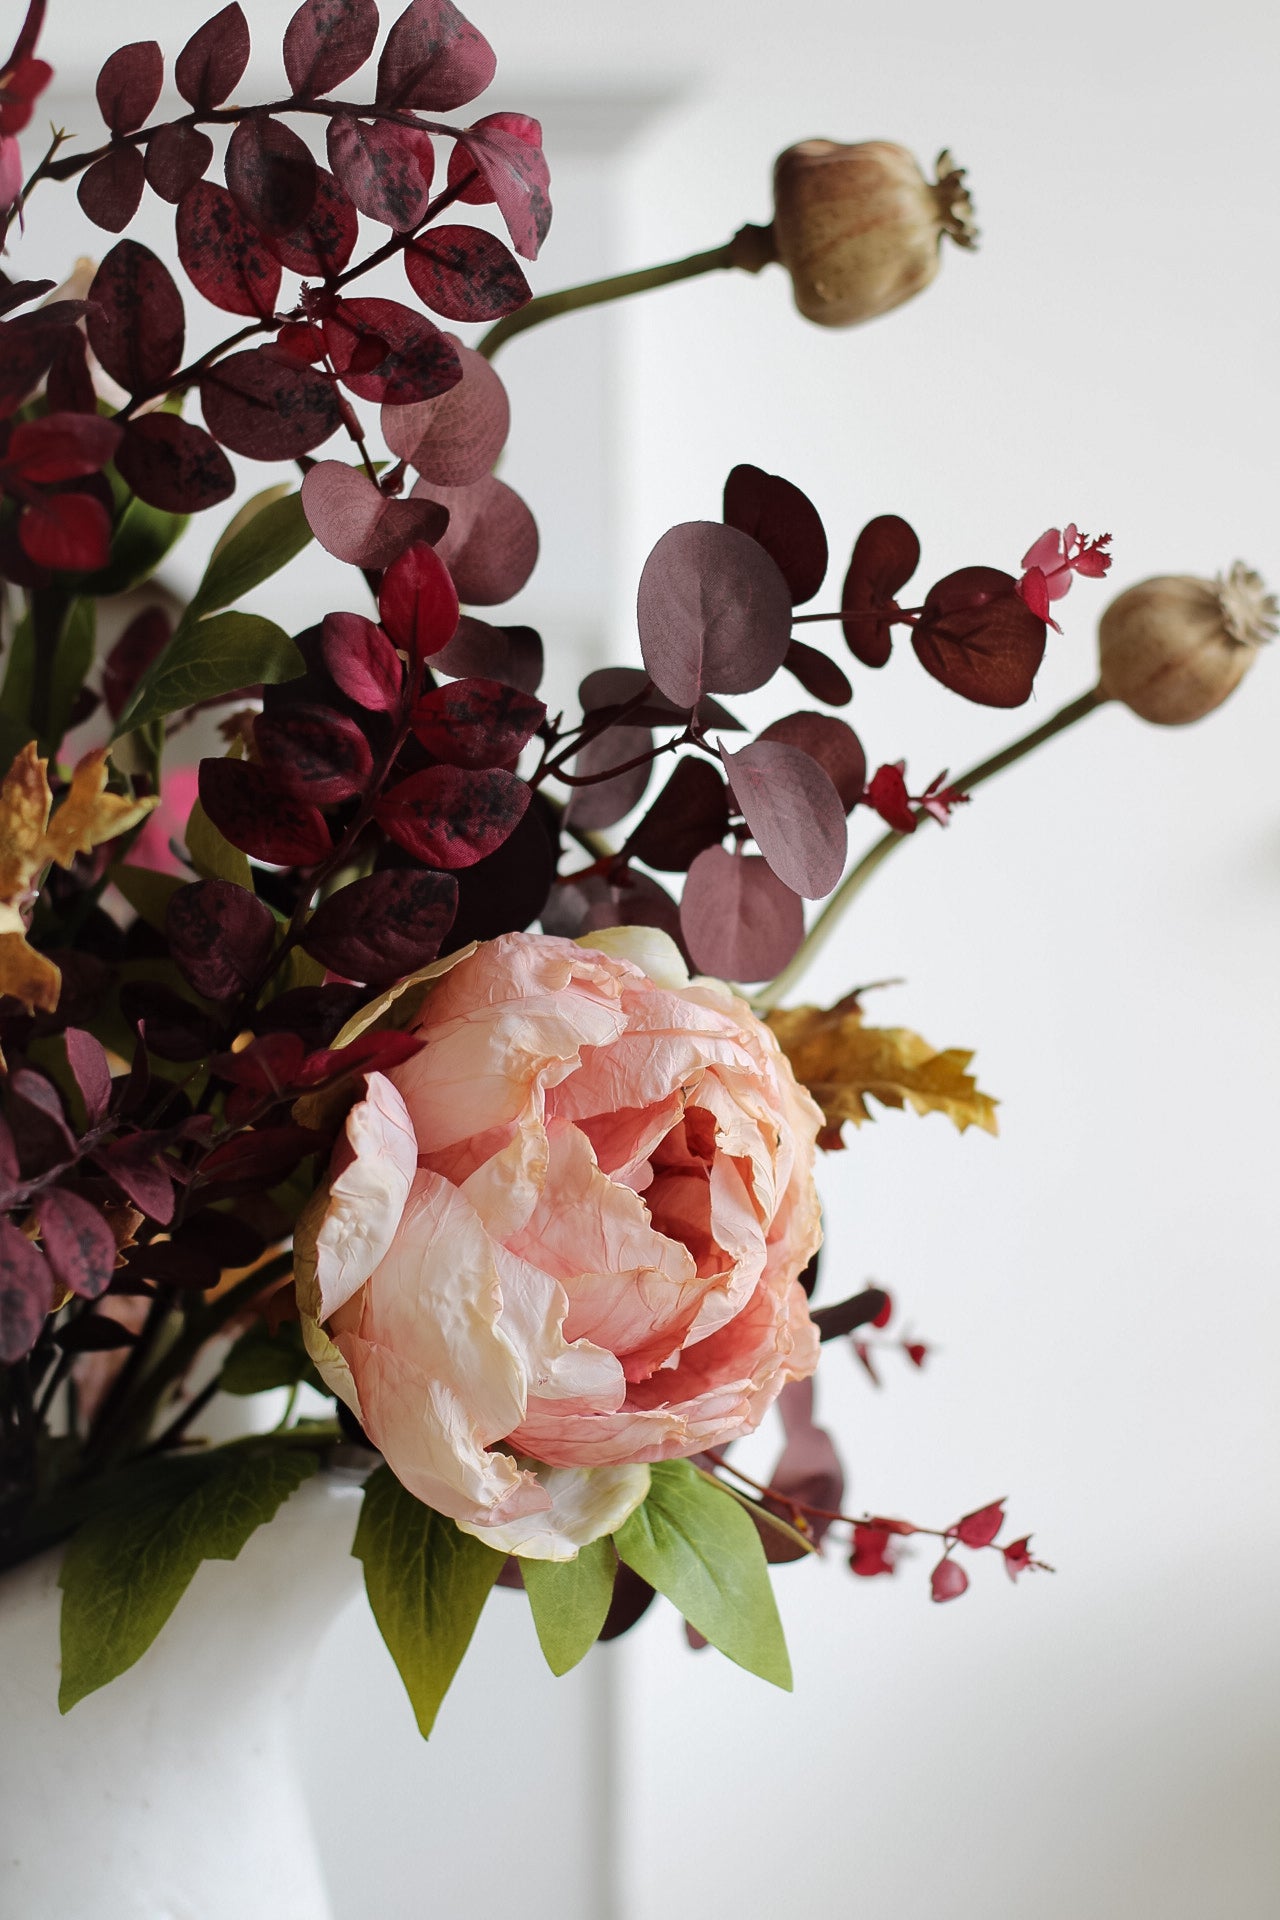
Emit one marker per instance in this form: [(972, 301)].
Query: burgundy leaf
[(379, 929), (79, 1245), (477, 723), (794, 813), (980, 638), (314, 753), (70, 388), (129, 85), (67, 533), (948, 1580), (980, 1529), (433, 58), (606, 801), (25, 357), (219, 934), (135, 320), (418, 602), (690, 814), (268, 406), (885, 556), (784, 521), (1017, 1556), (510, 654), (516, 175), (832, 744), (26, 1293), (385, 352), (714, 612), (317, 1014), (143, 640), (213, 61), (326, 42), (631, 900), (368, 1053), (507, 891), (271, 175), (871, 1554), (133, 1165), (491, 543), (452, 817), (354, 521), (362, 661), (464, 273), (223, 256), (178, 156), (325, 241), (456, 438), (175, 1029), (110, 192), (246, 805), (739, 920), (385, 167), (88, 1061), (44, 1131), (820, 677), (465, 180), (174, 465), (846, 1316), (808, 1472), (260, 1158), (620, 687), (61, 446), (887, 793)]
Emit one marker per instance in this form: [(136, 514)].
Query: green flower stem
[(876, 855), (751, 248)]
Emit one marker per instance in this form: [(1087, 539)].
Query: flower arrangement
[(362, 1060)]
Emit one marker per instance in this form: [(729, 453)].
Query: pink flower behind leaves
[(153, 847), (1050, 563)]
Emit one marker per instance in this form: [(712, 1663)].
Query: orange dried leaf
[(843, 1063)]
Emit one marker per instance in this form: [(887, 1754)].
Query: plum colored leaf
[(433, 58), (379, 929), (212, 63), (87, 1059), (689, 815), (843, 1062), (174, 465), (61, 446), (209, 658), (314, 753), (263, 404), (26, 354), (140, 1175), (252, 1161), (452, 817), (454, 439), (355, 522), (846, 1316), (464, 273), (980, 1529), (517, 176), (178, 156), (326, 42), (361, 661), (885, 555), (225, 258), (820, 677), (808, 1472), (607, 800), (507, 890), (834, 746), (887, 793), (175, 1029), (26, 1293), (631, 687), (948, 1580), (270, 174), (418, 602), (66, 533), (794, 812), (44, 1131), (714, 612), (135, 319), (490, 545), (466, 181), (325, 241), (247, 807), (386, 168), (510, 654), (784, 521), (476, 723), (627, 899), (129, 85), (79, 1245), (740, 921), (110, 192), (980, 638), (871, 1554), (69, 387), (220, 936), (384, 352)]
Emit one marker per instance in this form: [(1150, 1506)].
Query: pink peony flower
[(564, 1239)]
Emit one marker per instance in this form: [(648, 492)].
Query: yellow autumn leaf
[(843, 1062), (90, 815)]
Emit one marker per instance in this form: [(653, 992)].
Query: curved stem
[(876, 855)]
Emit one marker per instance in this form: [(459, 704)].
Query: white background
[(1101, 925)]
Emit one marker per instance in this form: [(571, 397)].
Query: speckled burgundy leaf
[(177, 157), (223, 255), (246, 805), (129, 85), (464, 273), (270, 173), (418, 602), (510, 654), (456, 438), (516, 175), (714, 612), (326, 239), (690, 814), (452, 817), (476, 723), (79, 1245), (832, 744), (26, 1293), (379, 929), (267, 405), (506, 891), (354, 521), (820, 677), (885, 555), (386, 168), (433, 58), (110, 192), (219, 936), (326, 42), (785, 522), (174, 465), (212, 63), (491, 543), (385, 352), (135, 320), (980, 638), (740, 921), (362, 661), (314, 753)]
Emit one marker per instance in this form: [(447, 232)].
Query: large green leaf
[(261, 1361), (696, 1545), (570, 1599), (130, 1564), (71, 664), (147, 892), (210, 658), (18, 691), (427, 1583), (265, 543)]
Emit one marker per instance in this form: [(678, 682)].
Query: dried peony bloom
[(564, 1240), (859, 228), (1173, 648)]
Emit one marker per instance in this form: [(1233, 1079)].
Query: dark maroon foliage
[(172, 464), (619, 765), (463, 273), (385, 168), (418, 602), (433, 58), (143, 640), (26, 1292), (384, 352), (515, 173), (689, 815), (741, 922), (490, 545), (794, 812), (271, 175), (212, 63), (377, 930), (353, 520), (326, 42), (78, 1243), (220, 936), (832, 744), (111, 190), (135, 319), (264, 404), (245, 804), (450, 816), (177, 157), (980, 638), (314, 754), (820, 677), (714, 612), (224, 257), (784, 521), (508, 889), (129, 85), (324, 241), (362, 661), (476, 723), (885, 556)]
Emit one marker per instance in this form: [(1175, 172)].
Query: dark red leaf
[(452, 817), (66, 533), (980, 638), (271, 175), (223, 256), (689, 815), (887, 793), (25, 357), (510, 654), (110, 192), (834, 746), (362, 661), (22, 81), (607, 800), (175, 1029), (385, 352), (631, 899), (129, 85), (326, 239), (219, 934), (135, 320), (354, 521), (213, 61), (915, 1351), (846, 1316), (517, 176), (433, 58), (900, 1529), (464, 273), (143, 640), (794, 812), (980, 1529), (70, 388), (871, 1553), (178, 156), (465, 180), (385, 167), (1017, 1556), (141, 1177), (507, 891), (43, 1133), (26, 1293), (246, 805), (784, 521), (418, 602), (88, 1061), (174, 465), (821, 678), (260, 1158), (491, 543), (739, 920), (885, 556), (79, 1245), (326, 42), (885, 1315), (714, 612), (368, 1053), (377, 930), (477, 723), (315, 754), (620, 687), (61, 446), (267, 405), (456, 438), (808, 1473), (948, 1580)]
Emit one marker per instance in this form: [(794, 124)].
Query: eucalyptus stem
[(751, 248), (876, 855)]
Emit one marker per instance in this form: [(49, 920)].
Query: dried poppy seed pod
[(859, 228), (1173, 648)]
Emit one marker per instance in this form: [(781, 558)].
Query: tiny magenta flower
[(1173, 648), (1049, 565)]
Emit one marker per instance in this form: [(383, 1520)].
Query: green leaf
[(148, 893), (261, 1361), (427, 1583), (71, 664), (267, 542), (696, 1545), (208, 659), (213, 857), (18, 692), (570, 1599), (141, 540), (130, 1564)]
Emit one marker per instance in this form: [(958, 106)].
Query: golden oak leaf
[(89, 814), (842, 1062), (25, 801)]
